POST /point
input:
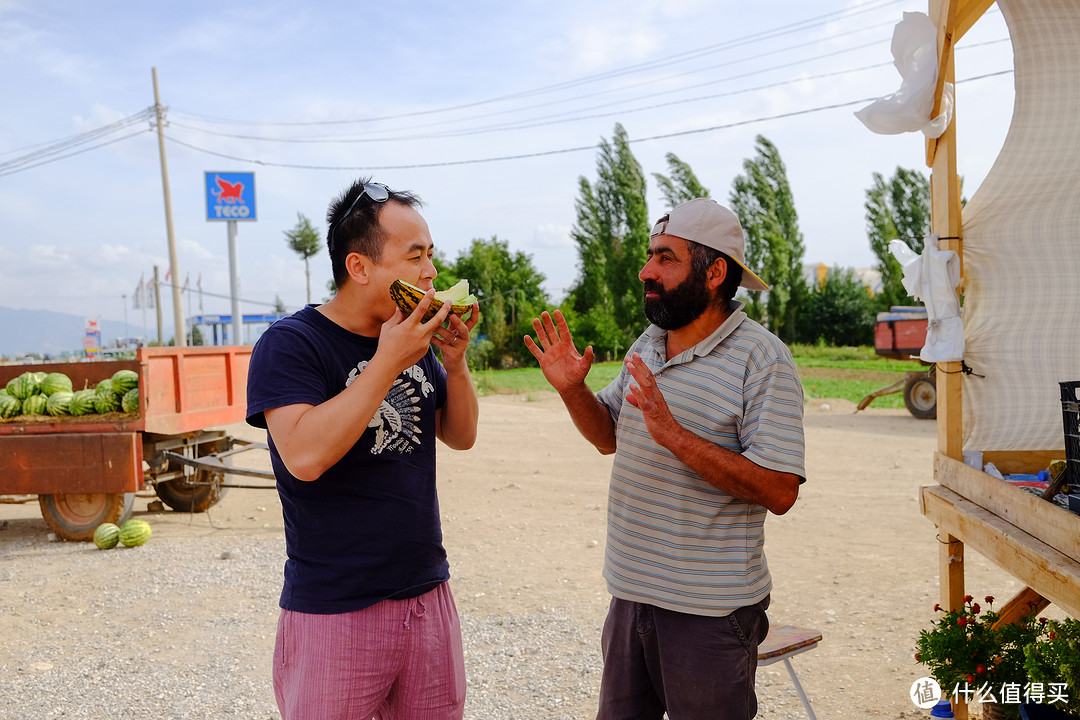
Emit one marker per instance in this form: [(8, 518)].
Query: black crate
[(1070, 419)]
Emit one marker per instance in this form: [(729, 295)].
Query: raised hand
[(563, 366)]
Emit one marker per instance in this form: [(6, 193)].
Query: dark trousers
[(691, 666)]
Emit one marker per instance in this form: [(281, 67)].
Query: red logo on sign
[(228, 192)]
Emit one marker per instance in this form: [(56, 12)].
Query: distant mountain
[(50, 333)]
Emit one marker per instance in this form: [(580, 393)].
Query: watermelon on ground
[(124, 380), (105, 402), (55, 382), (34, 405), (130, 402), (59, 403), (134, 533), (106, 536), (82, 402), (10, 406)]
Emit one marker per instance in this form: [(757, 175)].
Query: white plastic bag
[(914, 49), (932, 278)]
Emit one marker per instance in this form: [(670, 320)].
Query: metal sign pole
[(234, 288)]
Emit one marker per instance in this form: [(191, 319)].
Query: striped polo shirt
[(674, 540)]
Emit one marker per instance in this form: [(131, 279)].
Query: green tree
[(612, 235), (897, 208), (682, 185), (510, 292), (304, 240), (840, 312), (774, 245)]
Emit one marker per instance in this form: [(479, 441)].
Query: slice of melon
[(406, 296)]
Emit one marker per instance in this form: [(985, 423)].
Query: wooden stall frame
[(1031, 539)]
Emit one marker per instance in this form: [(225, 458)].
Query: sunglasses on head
[(378, 193)]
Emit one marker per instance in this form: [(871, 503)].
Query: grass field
[(849, 373)]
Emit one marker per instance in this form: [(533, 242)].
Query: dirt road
[(524, 527)]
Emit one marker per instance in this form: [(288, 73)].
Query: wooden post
[(945, 222), (951, 586)]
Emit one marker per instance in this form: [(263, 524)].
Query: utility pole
[(157, 305), (174, 269)]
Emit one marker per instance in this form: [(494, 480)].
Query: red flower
[(968, 598), (975, 608), (980, 669), (970, 679), (961, 621), (989, 598), (937, 607), (1042, 621), (1053, 635), (916, 657)]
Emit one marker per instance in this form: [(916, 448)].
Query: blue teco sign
[(230, 195)]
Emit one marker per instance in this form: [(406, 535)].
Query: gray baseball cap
[(703, 221)]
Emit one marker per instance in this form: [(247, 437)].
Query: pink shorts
[(396, 660)]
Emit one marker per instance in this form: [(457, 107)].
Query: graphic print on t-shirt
[(397, 421)]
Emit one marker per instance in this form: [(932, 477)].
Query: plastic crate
[(1070, 419)]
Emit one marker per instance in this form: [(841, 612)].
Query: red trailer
[(85, 470), (901, 333)]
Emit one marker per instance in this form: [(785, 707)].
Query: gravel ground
[(183, 628)]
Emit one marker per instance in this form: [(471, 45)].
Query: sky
[(490, 111)]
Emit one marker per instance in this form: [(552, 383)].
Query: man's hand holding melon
[(453, 339)]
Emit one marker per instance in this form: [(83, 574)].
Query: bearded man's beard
[(678, 307)]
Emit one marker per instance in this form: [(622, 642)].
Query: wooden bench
[(781, 644)]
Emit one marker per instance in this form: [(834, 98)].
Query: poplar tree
[(762, 199), (898, 208), (682, 185), (611, 234)]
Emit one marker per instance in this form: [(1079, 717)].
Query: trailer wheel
[(920, 396), (198, 492), (76, 516)]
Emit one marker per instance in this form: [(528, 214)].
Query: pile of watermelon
[(41, 393)]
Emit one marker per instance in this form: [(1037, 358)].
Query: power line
[(481, 129), (544, 153), (61, 149), (807, 24)]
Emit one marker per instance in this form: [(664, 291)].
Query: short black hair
[(360, 232), (701, 259)]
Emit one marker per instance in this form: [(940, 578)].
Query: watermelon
[(23, 386), (106, 536), (59, 403), (105, 402), (104, 386), (134, 533), (40, 376), (124, 380), (130, 402), (34, 405), (82, 402), (55, 382), (3, 390), (10, 406)]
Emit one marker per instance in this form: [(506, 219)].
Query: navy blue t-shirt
[(368, 529)]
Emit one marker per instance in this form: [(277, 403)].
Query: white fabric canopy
[(1022, 244)]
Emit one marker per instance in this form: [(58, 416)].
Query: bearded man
[(705, 422)]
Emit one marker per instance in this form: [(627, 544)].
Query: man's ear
[(359, 268), (717, 273)]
